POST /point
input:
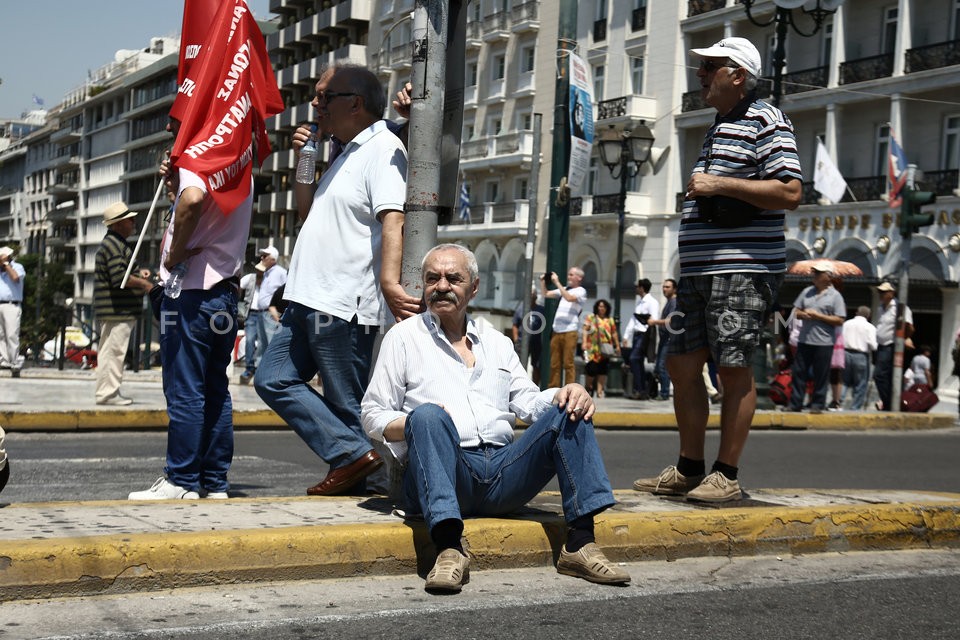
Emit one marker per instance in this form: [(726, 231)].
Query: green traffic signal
[(911, 218)]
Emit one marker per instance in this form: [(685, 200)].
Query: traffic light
[(911, 218)]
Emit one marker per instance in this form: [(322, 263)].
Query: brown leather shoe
[(339, 480)]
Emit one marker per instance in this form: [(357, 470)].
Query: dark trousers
[(812, 362), (883, 375), (638, 356)]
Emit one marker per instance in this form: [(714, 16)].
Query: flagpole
[(146, 225)]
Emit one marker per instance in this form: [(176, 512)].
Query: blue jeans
[(447, 481), (197, 334), (856, 375), (661, 368), (251, 329), (311, 342), (812, 362)]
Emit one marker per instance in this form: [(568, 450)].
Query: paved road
[(866, 595), (102, 466)]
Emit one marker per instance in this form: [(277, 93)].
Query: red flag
[(198, 15), (234, 91)]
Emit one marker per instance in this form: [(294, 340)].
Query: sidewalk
[(75, 548), (66, 549), (51, 400)]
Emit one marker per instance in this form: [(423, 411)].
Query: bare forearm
[(186, 218)]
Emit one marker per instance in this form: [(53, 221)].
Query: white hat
[(886, 286), (823, 266), (270, 251), (5, 251), (740, 50), (116, 212)]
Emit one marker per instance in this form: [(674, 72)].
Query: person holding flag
[(219, 109), (343, 282)]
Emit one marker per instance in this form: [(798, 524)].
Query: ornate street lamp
[(624, 152), (817, 10)]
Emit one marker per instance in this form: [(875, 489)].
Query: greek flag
[(464, 203), (37, 100)]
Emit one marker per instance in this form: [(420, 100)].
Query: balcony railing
[(496, 22), (868, 188), (691, 101), (933, 56), (696, 7), (866, 69), (806, 80), (600, 30), (526, 12), (612, 108), (941, 183), (638, 19), (607, 203)]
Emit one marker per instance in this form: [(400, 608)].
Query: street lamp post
[(624, 152), (817, 10)]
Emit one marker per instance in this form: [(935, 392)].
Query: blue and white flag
[(464, 203), (37, 100), (826, 177)]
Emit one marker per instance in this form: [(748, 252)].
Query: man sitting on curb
[(448, 389)]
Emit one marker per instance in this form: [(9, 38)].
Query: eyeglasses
[(327, 96), (710, 66)]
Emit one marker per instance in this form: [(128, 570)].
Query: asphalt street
[(862, 595)]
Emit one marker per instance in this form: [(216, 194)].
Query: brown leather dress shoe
[(339, 480)]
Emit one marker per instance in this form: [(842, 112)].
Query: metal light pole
[(624, 152), (783, 16)]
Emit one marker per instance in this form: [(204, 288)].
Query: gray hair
[(365, 84), (864, 311), (577, 270), (471, 259), (750, 81)]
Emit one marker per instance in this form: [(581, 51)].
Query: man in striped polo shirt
[(732, 260), (117, 308)]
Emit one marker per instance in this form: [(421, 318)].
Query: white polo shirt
[(335, 266)]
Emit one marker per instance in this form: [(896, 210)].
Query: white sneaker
[(216, 495), (116, 400), (163, 489)]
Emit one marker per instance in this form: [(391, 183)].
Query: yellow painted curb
[(128, 562)]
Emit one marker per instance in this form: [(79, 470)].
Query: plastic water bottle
[(307, 165), (174, 283)]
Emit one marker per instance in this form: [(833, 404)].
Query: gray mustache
[(447, 296)]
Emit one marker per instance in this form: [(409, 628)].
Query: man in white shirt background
[(274, 277), (566, 324), (448, 390), (859, 342)]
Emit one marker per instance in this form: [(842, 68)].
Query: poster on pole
[(581, 123)]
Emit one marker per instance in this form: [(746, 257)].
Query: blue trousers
[(197, 334), (251, 329), (856, 375), (447, 481), (311, 342)]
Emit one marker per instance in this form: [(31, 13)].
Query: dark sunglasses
[(327, 96), (710, 66)]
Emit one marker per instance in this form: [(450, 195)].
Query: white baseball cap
[(740, 50), (270, 251)]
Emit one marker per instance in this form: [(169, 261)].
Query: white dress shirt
[(418, 365), (646, 305), (859, 335)]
